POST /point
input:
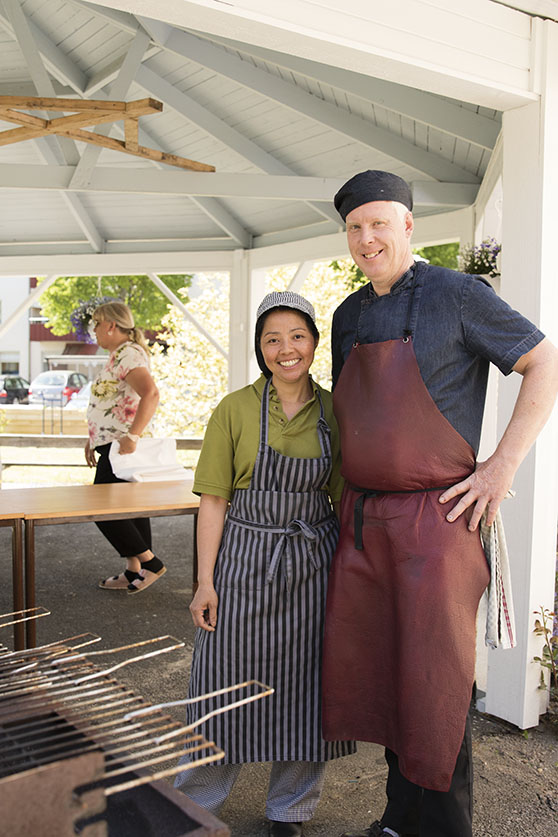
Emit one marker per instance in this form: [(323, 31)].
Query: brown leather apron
[(399, 651)]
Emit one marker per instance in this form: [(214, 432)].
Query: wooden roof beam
[(91, 113)]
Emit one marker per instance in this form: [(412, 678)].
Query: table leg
[(17, 580), (31, 627)]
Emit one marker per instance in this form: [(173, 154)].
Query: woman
[(124, 398), (272, 450)]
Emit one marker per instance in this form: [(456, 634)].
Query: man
[(411, 352)]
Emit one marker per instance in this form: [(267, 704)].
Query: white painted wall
[(13, 291)]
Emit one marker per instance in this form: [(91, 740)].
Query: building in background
[(30, 347)]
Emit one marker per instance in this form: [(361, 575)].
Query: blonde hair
[(119, 314)]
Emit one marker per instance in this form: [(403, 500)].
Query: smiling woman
[(271, 451)]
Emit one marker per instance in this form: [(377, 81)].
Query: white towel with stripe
[(500, 620)]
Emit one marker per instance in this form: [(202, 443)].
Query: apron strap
[(358, 512), (264, 415), (407, 331)]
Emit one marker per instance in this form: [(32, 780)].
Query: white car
[(56, 386), (79, 400)]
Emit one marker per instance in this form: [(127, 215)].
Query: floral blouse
[(113, 403)]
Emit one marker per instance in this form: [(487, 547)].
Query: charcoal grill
[(82, 754)]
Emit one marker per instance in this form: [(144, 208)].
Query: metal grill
[(70, 732)]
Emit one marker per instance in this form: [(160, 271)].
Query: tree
[(190, 372), (147, 302), (444, 255), (439, 254), (325, 287)]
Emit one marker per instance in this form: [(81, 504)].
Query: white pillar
[(530, 219), (247, 288), (239, 320)]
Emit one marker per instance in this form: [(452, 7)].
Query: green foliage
[(440, 254), (349, 273), (190, 372), (148, 304), (549, 659), (444, 255)]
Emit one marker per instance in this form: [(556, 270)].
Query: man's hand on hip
[(485, 487)]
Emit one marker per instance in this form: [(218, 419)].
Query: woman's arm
[(141, 382), (211, 520)]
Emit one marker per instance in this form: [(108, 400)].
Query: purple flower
[(81, 317)]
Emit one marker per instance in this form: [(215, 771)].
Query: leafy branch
[(549, 659)]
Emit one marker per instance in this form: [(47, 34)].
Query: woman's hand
[(90, 457), (126, 445), (203, 607)]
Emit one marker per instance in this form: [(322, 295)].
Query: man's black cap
[(372, 185)]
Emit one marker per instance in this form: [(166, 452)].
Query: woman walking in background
[(123, 399), (271, 449)]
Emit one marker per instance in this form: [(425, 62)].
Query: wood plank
[(131, 134), (9, 115), (142, 151), (54, 104)]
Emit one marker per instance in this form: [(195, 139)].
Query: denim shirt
[(458, 324)]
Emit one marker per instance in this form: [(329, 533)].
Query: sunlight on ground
[(28, 467)]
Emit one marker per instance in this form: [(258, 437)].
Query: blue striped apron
[(271, 579)]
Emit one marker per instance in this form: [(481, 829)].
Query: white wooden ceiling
[(283, 132)]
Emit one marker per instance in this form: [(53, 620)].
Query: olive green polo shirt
[(232, 436)]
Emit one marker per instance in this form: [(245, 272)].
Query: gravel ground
[(516, 774)]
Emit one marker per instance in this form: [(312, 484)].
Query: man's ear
[(409, 224)]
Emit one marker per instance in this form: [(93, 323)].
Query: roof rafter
[(61, 66), (197, 184), (118, 90), (214, 209), (407, 101), (50, 150), (91, 112), (201, 116), (211, 56)]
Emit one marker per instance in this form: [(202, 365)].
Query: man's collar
[(403, 282)]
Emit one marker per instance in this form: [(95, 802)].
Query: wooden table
[(83, 503)]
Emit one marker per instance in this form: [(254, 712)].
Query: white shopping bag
[(153, 459)]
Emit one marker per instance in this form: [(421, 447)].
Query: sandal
[(150, 571), (119, 582)]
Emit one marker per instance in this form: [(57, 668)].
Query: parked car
[(55, 386), (14, 390), (80, 400)]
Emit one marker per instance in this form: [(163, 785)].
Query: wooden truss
[(86, 113)]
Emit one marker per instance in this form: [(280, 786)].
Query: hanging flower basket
[(81, 316), (481, 259)]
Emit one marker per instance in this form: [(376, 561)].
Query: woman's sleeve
[(336, 481), (132, 357), (214, 473)]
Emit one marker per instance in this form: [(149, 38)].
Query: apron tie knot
[(294, 528)]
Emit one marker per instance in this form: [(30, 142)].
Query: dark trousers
[(414, 810), (128, 537)]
